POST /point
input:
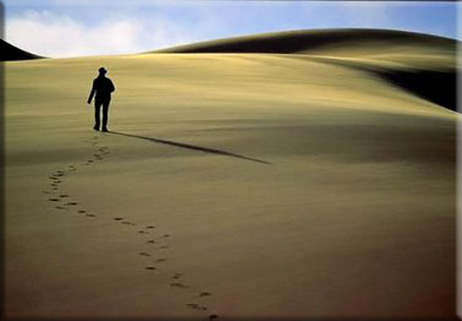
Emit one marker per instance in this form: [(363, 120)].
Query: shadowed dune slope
[(9, 52), (421, 64)]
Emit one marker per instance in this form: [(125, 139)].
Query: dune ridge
[(390, 55), (297, 41), (422, 64), (8, 52)]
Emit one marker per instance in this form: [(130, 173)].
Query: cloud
[(56, 35)]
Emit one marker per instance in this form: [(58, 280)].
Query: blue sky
[(66, 28)]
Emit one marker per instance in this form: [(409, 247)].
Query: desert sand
[(234, 184)]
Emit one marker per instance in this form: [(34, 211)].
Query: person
[(102, 87)]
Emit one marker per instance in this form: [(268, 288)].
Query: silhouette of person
[(102, 87)]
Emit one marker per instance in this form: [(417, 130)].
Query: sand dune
[(342, 41), (8, 52), (423, 64), (232, 185)]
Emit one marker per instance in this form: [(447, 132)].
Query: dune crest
[(307, 41), (8, 52), (422, 64)]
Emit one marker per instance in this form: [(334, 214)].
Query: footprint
[(179, 285), (82, 211), (202, 294), (150, 227), (128, 223), (54, 199), (152, 268), (144, 254), (91, 215), (72, 203), (166, 235), (60, 208), (63, 195), (163, 247), (176, 276), (196, 306), (151, 241), (213, 316), (160, 260), (118, 218), (143, 232)]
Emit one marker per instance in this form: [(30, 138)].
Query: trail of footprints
[(155, 244)]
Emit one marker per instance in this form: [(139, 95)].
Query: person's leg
[(105, 114), (97, 112)]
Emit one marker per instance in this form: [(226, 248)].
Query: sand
[(232, 185)]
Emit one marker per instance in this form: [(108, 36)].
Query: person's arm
[(92, 93), (112, 86)]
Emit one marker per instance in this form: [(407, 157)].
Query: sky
[(68, 28)]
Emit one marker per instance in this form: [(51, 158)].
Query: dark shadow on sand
[(193, 147), (438, 87)]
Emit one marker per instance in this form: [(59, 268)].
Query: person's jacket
[(103, 87)]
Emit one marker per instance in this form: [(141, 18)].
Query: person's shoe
[(96, 128), (105, 129)]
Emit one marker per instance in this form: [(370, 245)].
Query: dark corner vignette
[(2, 169)]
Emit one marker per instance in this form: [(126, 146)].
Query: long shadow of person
[(193, 147)]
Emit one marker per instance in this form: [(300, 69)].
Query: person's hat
[(102, 70)]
